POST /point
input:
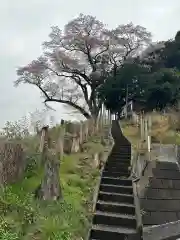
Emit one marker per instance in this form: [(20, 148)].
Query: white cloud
[(15, 47)]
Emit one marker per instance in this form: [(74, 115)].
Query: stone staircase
[(114, 216), (160, 199)]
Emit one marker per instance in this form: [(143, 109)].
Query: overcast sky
[(26, 24)]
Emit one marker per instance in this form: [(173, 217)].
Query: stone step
[(172, 206), (121, 152), (118, 163), (122, 156), (158, 218), (125, 154), (119, 158), (159, 193), (167, 165), (166, 174), (115, 174), (116, 197), (116, 181), (164, 184), (115, 207), (116, 168), (116, 160), (121, 145), (122, 148), (103, 232), (114, 219), (116, 188)]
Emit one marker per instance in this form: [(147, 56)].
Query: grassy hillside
[(24, 217), (164, 129)]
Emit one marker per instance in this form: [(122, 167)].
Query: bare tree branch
[(81, 110)]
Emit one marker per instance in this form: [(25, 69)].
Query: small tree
[(18, 129), (38, 119), (130, 82), (151, 79), (77, 60)]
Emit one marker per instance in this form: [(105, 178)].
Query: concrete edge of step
[(97, 190), (103, 227), (116, 194), (116, 203), (95, 198), (115, 215), (137, 208), (169, 230)]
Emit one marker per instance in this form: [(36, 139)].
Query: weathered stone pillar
[(49, 188)]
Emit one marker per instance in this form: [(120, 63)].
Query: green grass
[(163, 130), (25, 218)]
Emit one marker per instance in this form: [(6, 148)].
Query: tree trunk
[(49, 188)]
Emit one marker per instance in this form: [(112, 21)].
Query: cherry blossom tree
[(77, 60)]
